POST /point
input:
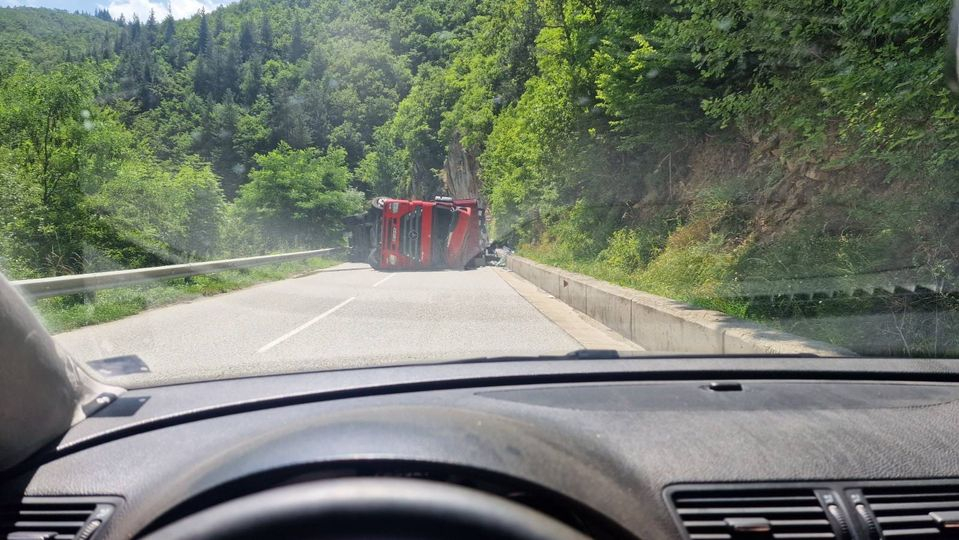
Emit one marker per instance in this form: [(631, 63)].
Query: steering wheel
[(368, 509)]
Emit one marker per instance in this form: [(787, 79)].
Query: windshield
[(435, 180)]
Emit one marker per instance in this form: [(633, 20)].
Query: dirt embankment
[(776, 192), (836, 215)]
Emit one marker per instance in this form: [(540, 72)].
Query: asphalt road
[(345, 317)]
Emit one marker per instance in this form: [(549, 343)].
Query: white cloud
[(181, 9)]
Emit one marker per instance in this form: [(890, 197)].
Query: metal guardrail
[(80, 283)]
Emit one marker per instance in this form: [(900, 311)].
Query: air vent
[(55, 518), (914, 512), (755, 514)]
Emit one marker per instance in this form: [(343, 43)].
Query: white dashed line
[(380, 282), (304, 326)]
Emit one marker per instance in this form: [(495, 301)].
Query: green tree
[(150, 214), (251, 81), (247, 41), (297, 46), (199, 206), (227, 161), (152, 28), (168, 29), (43, 116), (385, 169), (203, 35), (63, 146), (300, 197), (266, 35)]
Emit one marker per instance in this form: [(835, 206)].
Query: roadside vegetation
[(690, 148), (693, 148)]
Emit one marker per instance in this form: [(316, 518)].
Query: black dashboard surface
[(612, 435)]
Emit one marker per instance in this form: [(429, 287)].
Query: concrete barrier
[(572, 290), (663, 325), (610, 304)]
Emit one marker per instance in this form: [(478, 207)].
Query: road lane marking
[(380, 282), (304, 326)]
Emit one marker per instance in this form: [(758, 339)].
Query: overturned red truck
[(398, 234)]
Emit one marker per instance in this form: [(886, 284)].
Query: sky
[(180, 8)]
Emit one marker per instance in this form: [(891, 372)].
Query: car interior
[(631, 448)]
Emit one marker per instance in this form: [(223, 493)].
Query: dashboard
[(650, 448)]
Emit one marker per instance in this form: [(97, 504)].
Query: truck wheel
[(379, 203)]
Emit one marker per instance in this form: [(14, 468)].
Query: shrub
[(623, 251)]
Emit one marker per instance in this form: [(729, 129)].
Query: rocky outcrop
[(460, 174)]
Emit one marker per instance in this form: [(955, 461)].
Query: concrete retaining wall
[(662, 325)]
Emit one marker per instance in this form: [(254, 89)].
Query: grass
[(693, 275), (70, 312), (687, 258)]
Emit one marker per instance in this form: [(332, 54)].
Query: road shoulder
[(590, 333)]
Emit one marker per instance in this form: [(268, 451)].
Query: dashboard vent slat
[(910, 512), (64, 517), (799, 522), (82, 513), (931, 505), (728, 500), (910, 532), (752, 514), (925, 518), (876, 497), (764, 510)]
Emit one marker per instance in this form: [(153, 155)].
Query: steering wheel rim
[(368, 508)]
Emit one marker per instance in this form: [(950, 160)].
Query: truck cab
[(399, 234)]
